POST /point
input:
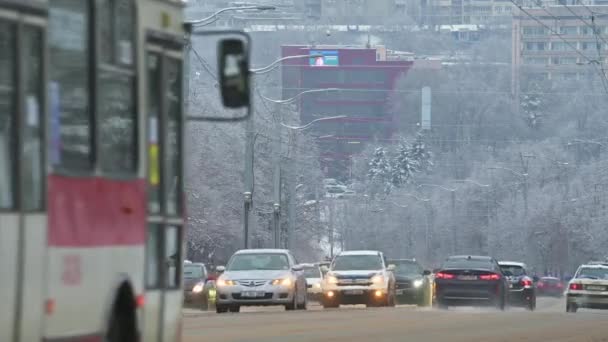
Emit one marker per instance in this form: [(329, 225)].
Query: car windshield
[(483, 264), (312, 272), (193, 272), (357, 262), (512, 270), (258, 261), (407, 268), (592, 273)]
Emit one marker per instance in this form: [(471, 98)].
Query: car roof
[(593, 266), (194, 264), (411, 261), (512, 263), (550, 278), (471, 257), (262, 251), (359, 253)]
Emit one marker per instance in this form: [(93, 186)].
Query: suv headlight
[(225, 282), (198, 288), (331, 279), (418, 282), (284, 282), (378, 279)]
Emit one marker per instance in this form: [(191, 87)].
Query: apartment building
[(566, 46)]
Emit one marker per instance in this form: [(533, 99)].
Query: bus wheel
[(122, 324)]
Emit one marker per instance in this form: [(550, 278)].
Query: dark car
[(411, 281), (550, 286), (470, 281), (521, 286), (197, 285)]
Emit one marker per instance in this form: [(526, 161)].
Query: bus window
[(69, 56), (33, 170), (7, 115), (172, 256), (116, 87), (173, 155), (153, 256), (154, 109)]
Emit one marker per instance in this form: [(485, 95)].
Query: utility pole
[(277, 186), (454, 224), (248, 194), (331, 228), (291, 215)]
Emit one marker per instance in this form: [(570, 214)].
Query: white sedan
[(588, 288)]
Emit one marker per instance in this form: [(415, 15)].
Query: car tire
[(221, 309), (235, 309), (531, 304), (294, 303), (571, 307), (391, 299), (501, 303), (205, 303), (304, 304)]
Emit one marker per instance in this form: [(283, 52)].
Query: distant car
[(588, 288), (198, 290), (470, 281), (411, 281), (313, 275), (521, 286), (359, 277), (256, 277), (550, 286)]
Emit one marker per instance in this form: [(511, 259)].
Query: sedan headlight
[(198, 288), (317, 285), (331, 279), (225, 282), (418, 282), (284, 282), (378, 279)]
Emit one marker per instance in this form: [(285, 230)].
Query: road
[(403, 323)]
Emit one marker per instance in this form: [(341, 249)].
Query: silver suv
[(256, 277), (359, 277)]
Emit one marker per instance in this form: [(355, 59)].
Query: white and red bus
[(91, 179)]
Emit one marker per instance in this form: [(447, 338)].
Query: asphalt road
[(403, 323)]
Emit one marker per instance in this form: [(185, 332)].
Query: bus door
[(22, 172), (164, 115)]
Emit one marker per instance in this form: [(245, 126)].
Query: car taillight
[(442, 275), (560, 285), (492, 276), (526, 282), (576, 286), (540, 284)]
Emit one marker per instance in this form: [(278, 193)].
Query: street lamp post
[(452, 192)]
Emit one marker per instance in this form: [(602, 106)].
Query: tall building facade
[(366, 79), (558, 45)]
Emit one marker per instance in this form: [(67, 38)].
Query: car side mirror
[(220, 269), (426, 273), (391, 267), (297, 268)]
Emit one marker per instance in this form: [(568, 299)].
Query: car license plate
[(252, 294), (595, 288), (467, 277), (353, 292), (399, 292)]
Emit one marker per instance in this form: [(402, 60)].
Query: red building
[(366, 80)]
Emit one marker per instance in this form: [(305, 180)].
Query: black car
[(196, 285), (521, 286), (470, 281), (411, 281)]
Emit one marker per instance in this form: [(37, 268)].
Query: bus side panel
[(34, 276), (151, 316), (172, 314), (9, 232), (83, 281)]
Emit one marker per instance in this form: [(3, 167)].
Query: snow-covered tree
[(380, 170), (532, 107), (421, 155), (405, 165)]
